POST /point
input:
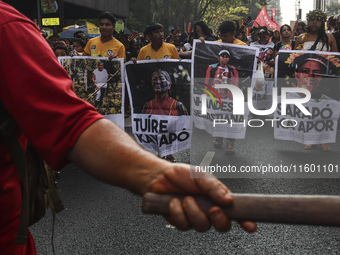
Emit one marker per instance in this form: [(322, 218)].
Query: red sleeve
[(38, 93)]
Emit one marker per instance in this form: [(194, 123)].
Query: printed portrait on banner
[(318, 73), (159, 92), (99, 82), (218, 64)]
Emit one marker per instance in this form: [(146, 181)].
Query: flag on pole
[(273, 14), (263, 19)]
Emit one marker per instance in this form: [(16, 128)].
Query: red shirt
[(39, 95), (166, 107)]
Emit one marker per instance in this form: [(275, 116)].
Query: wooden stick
[(101, 86), (289, 209)]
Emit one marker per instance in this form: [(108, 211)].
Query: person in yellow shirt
[(157, 49), (105, 45), (227, 33)]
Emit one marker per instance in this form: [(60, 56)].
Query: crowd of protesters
[(282, 39), (318, 33)]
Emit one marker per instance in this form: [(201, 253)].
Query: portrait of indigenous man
[(223, 73), (163, 104), (318, 73)]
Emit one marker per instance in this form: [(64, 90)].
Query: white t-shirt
[(101, 77)]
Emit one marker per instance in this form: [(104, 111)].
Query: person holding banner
[(163, 104), (67, 128), (223, 73), (266, 53), (227, 33), (105, 45), (157, 49)]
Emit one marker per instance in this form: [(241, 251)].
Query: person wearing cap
[(105, 45), (266, 50), (336, 34), (316, 37), (227, 33), (223, 73), (157, 49), (254, 37), (263, 43)]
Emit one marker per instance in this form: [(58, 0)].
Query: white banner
[(318, 128)]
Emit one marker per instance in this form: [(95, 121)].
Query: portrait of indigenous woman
[(316, 37), (163, 104), (318, 74)]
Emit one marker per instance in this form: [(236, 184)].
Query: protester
[(78, 47), (286, 43), (227, 32), (336, 34), (331, 24), (60, 51), (254, 37), (266, 50), (157, 49), (276, 37), (105, 45), (63, 128), (316, 37), (54, 39), (202, 31)]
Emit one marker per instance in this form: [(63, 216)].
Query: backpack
[(38, 180)]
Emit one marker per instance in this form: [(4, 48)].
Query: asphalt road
[(100, 219)]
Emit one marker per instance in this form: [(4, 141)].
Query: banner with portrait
[(317, 72), (218, 64), (50, 6), (159, 92), (100, 82)]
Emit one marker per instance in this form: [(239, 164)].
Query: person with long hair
[(316, 37), (201, 30), (286, 42)]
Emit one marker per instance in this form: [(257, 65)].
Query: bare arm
[(332, 43), (298, 41), (116, 159)]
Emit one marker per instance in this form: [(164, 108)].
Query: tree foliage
[(178, 13), (333, 9)]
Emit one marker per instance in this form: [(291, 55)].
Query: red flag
[(189, 28), (263, 20), (273, 14)]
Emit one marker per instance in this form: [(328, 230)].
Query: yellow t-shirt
[(167, 51), (96, 48), (236, 41)]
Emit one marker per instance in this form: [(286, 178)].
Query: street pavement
[(100, 219)]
